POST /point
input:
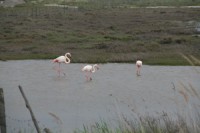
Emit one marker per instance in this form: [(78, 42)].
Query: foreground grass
[(145, 124)]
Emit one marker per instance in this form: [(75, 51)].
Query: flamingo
[(62, 59), (89, 69), (138, 65)]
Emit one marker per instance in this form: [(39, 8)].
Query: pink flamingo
[(89, 69), (138, 65), (62, 59)]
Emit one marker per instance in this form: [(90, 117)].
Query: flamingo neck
[(67, 58), (94, 68)]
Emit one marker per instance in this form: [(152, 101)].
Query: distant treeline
[(115, 3)]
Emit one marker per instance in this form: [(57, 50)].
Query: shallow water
[(67, 102)]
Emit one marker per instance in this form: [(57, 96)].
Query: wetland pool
[(68, 102)]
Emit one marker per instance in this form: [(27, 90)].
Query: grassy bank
[(157, 36)]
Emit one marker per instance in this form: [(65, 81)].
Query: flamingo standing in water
[(89, 69), (138, 65), (62, 59)]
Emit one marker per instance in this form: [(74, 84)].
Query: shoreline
[(145, 64)]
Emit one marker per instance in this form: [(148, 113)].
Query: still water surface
[(67, 102)]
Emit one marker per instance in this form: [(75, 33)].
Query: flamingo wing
[(60, 59), (87, 68), (139, 63)]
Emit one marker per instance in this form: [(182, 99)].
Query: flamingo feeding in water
[(138, 65), (89, 69), (62, 59)]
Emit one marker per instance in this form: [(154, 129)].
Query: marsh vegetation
[(116, 34)]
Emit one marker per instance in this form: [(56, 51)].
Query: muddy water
[(67, 102)]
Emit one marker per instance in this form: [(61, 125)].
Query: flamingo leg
[(58, 70), (90, 75), (86, 75), (62, 71), (138, 70)]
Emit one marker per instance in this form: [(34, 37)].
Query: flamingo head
[(97, 66), (69, 54)]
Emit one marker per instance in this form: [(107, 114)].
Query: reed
[(145, 124)]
